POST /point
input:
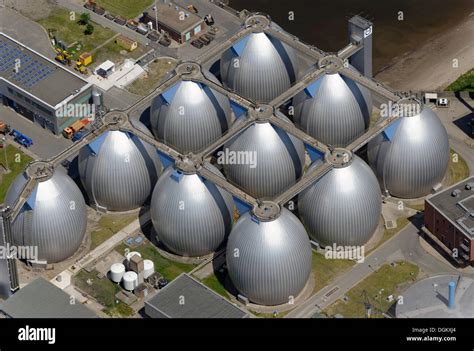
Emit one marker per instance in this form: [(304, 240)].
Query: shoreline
[(430, 67)]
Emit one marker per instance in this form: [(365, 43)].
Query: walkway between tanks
[(101, 250), (405, 245)]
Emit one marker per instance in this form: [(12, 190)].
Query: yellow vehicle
[(85, 59)]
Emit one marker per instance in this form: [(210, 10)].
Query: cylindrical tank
[(191, 215), (117, 270), (334, 109), (190, 115), (344, 206), (118, 171), (273, 160), (96, 98), (53, 219), (130, 281), (269, 262), (149, 268), (259, 67), (411, 156)]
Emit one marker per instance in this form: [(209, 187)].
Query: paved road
[(25, 31), (404, 246)]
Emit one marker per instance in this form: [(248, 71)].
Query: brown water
[(324, 22)]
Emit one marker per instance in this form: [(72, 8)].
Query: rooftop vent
[(469, 186), (456, 193)]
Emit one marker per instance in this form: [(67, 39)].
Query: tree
[(89, 29), (84, 19)]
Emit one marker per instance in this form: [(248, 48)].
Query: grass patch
[(119, 310), (325, 270), (169, 269), (391, 279), (69, 31), (457, 170), (103, 290), (115, 53), (156, 72), (16, 161), (125, 8), (109, 225), (463, 83), (214, 282)]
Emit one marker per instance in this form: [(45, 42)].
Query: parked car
[(89, 6), (165, 41), (132, 24), (99, 10), (153, 36), (120, 20), (204, 40), (109, 16), (197, 43), (142, 29)]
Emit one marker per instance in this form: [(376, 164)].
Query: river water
[(324, 22)]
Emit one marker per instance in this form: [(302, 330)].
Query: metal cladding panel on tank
[(263, 70), (191, 216), (415, 159), (195, 117), (120, 173), (54, 219), (278, 160), (342, 207), (334, 109), (269, 262)]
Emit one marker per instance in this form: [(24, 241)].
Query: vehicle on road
[(142, 29), (153, 36), (99, 10), (132, 24), (76, 127)]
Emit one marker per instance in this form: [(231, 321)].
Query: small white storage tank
[(149, 268), (117, 271), (130, 280)]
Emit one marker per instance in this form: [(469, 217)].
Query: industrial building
[(37, 87), (181, 24), (53, 218), (118, 171), (445, 296), (190, 115), (269, 258), (344, 206), (449, 219), (185, 297), (275, 159), (259, 67), (41, 299), (411, 157), (334, 119), (198, 214)]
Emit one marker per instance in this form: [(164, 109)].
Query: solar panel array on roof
[(30, 71)]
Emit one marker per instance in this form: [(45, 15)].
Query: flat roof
[(41, 299), (37, 75), (170, 15), (185, 297), (456, 203)]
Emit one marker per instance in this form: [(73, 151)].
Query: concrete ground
[(45, 143)]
